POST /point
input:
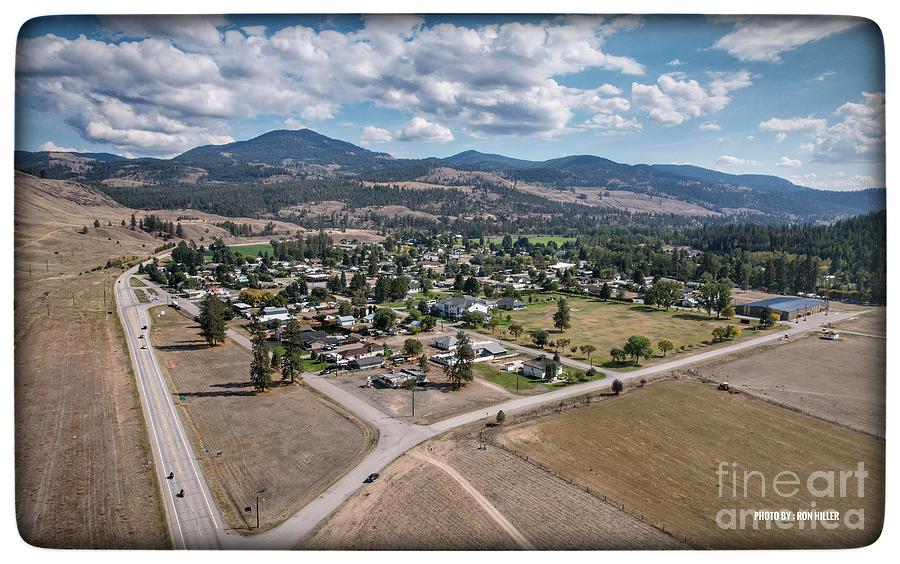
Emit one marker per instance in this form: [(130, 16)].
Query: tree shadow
[(183, 346), (619, 364), (693, 316), (643, 308)]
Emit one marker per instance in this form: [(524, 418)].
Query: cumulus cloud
[(780, 136), (788, 162), (842, 182), (54, 148), (417, 129), (161, 84), (709, 126), (765, 38), (857, 135), (675, 63), (729, 160), (613, 122), (674, 100)]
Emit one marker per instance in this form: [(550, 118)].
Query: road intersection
[(195, 521)]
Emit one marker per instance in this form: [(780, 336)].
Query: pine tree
[(461, 370), (179, 232), (291, 360), (212, 320), (260, 366), (562, 319)]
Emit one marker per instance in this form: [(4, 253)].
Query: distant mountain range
[(286, 155)]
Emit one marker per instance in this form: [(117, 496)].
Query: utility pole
[(413, 389), (260, 491)]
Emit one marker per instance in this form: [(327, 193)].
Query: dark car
[(371, 478), (144, 328)]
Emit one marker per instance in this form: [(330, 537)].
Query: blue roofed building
[(788, 307)]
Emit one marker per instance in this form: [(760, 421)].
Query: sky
[(797, 97)]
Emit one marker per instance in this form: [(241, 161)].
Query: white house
[(445, 343), (346, 321), (537, 367), (457, 306)]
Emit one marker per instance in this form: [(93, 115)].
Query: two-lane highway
[(193, 518)]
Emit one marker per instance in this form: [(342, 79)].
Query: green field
[(609, 324), (525, 384), (536, 239), (249, 250)]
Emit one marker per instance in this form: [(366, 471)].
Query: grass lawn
[(535, 239), (525, 384), (249, 250), (609, 324), (136, 282)]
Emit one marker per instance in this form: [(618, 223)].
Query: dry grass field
[(656, 451), (841, 381), (448, 494), (84, 474), (288, 439), (609, 324), (873, 322)]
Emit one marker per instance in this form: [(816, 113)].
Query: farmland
[(473, 499), (841, 381), (656, 451), (289, 439), (609, 324), (559, 240)]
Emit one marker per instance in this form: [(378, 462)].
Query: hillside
[(297, 155)]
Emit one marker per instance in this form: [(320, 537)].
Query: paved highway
[(195, 521)]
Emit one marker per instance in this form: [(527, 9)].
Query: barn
[(789, 308)]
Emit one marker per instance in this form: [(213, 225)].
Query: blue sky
[(801, 98)]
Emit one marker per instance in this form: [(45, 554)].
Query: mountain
[(763, 182), (285, 155), (476, 160)]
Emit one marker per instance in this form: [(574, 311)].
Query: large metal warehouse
[(789, 308)]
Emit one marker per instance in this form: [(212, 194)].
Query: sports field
[(609, 324)]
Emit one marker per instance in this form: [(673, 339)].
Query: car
[(144, 328), (371, 478), (143, 346), (141, 336)]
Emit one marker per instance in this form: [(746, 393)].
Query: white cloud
[(765, 38), (729, 160), (613, 122), (858, 135), (709, 126), (675, 63), (788, 162), (185, 79), (842, 182), (372, 134), (294, 123), (672, 101), (824, 76), (420, 129), (780, 136), (54, 148), (810, 124)]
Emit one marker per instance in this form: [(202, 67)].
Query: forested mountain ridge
[(302, 155)]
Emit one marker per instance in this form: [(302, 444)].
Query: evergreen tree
[(291, 360), (562, 319), (461, 369), (260, 366), (212, 320)]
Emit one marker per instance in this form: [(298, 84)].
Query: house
[(244, 310), (513, 304), (457, 306), (346, 321), (367, 362), (537, 367), (309, 338), (274, 314), (445, 343), (397, 379), (488, 350)]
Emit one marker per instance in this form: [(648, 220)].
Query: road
[(195, 521)]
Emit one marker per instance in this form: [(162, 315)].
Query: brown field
[(840, 381), (656, 451), (289, 439), (501, 502), (84, 474), (434, 401), (744, 296), (873, 322)]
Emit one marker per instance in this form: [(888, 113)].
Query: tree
[(666, 293), (84, 230), (617, 386), (133, 222), (562, 319), (605, 292), (212, 320), (493, 322), (563, 343), (292, 359), (766, 317), (501, 417), (460, 370), (424, 366), (471, 286), (276, 358), (96, 223), (665, 345), (384, 318), (515, 330), (412, 347), (718, 334), (260, 367), (617, 354), (715, 296), (588, 350), (540, 338), (472, 319), (728, 311), (179, 232), (638, 347)]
